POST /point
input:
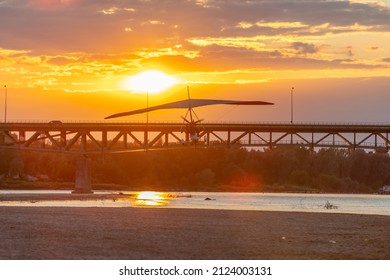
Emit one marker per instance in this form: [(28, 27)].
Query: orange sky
[(67, 59)]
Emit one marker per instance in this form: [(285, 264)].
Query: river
[(337, 203)]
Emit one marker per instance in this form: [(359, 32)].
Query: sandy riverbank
[(146, 233)]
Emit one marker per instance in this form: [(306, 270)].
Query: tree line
[(280, 169)]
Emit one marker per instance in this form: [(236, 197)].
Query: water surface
[(341, 203)]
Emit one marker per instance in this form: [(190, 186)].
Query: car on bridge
[(56, 122)]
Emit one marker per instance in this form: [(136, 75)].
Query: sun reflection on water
[(151, 199)]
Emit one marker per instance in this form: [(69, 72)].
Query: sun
[(151, 81)]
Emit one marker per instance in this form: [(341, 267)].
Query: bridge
[(85, 138)]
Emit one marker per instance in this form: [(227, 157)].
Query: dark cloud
[(304, 48), (313, 13), (86, 25), (387, 59)]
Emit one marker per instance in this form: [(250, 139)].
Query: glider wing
[(188, 104)]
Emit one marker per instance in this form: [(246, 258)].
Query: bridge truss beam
[(94, 138)]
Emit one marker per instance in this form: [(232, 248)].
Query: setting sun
[(151, 81)]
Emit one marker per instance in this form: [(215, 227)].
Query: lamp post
[(292, 105), (292, 114), (5, 103), (147, 106), (146, 137)]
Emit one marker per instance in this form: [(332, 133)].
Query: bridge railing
[(140, 121)]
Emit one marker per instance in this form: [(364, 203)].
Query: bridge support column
[(83, 175)]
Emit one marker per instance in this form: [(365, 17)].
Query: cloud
[(219, 58), (50, 4), (104, 38), (109, 11), (304, 48), (8, 52), (105, 23)]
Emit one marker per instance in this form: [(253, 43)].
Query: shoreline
[(178, 190), (62, 196), (166, 233), (63, 186)]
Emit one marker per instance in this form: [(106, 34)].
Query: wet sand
[(150, 233)]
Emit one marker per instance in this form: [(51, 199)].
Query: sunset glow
[(69, 54)]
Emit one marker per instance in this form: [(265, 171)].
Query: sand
[(162, 233)]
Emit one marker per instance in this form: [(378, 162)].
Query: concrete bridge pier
[(83, 175)]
